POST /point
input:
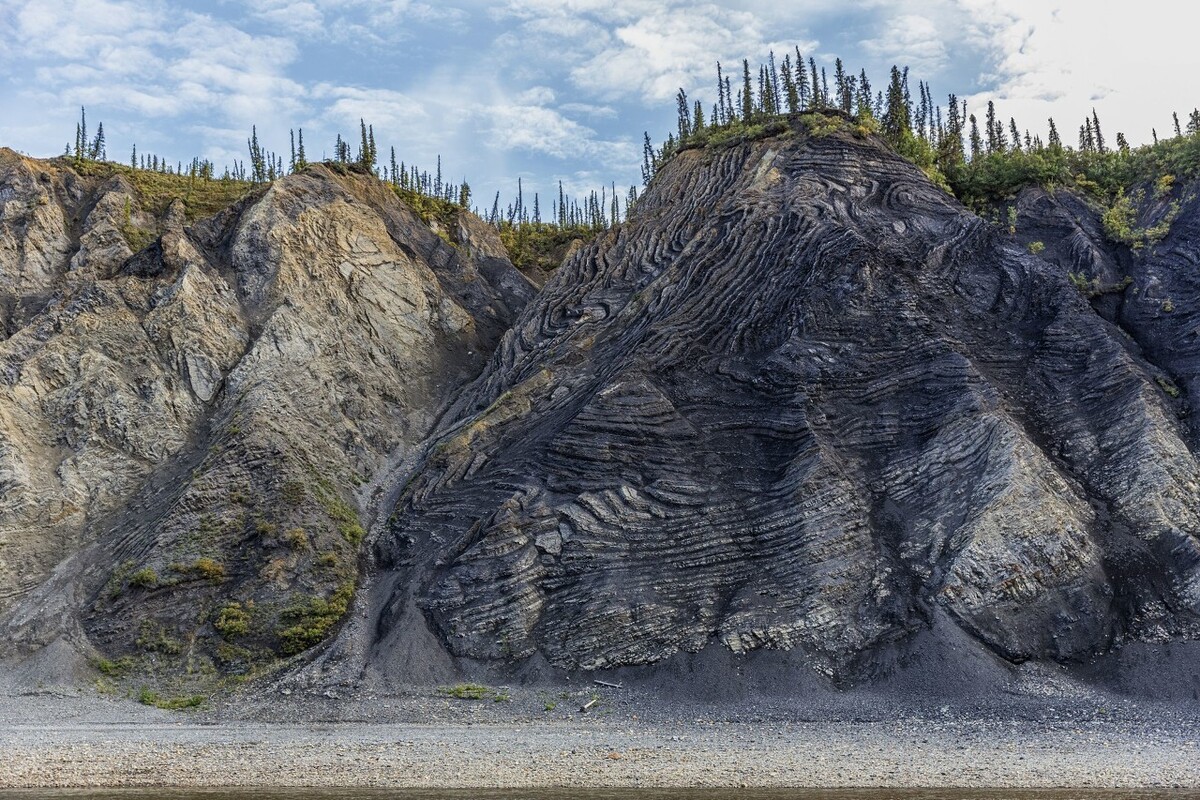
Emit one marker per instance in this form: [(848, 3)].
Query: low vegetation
[(149, 697), (309, 620), (475, 691)]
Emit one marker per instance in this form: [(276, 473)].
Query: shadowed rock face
[(805, 401), (204, 429)]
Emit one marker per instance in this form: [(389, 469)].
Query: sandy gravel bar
[(599, 755)]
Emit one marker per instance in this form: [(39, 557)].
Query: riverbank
[(527, 740)]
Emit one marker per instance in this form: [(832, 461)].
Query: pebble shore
[(53, 741)]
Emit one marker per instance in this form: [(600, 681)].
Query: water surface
[(601, 794)]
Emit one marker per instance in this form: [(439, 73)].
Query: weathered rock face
[(804, 400), (205, 428)]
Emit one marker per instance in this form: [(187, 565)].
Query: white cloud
[(912, 40), (357, 21), (146, 59), (649, 49), (1135, 65), (535, 128)]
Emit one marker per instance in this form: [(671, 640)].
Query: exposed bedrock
[(803, 400), (193, 438)]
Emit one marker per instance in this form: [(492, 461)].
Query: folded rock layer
[(803, 400)]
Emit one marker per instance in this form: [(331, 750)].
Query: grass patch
[(114, 668), (296, 539), (475, 691), (157, 190), (155, 639), (341, 512), (1168, 386), (149, 697)]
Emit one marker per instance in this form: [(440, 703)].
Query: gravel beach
[(541, 739)]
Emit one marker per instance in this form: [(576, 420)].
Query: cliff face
[(802, 401), (203, 429), (805, 401)]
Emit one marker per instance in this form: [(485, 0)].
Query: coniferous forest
[(981, 161)]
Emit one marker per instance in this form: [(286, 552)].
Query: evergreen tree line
[(597, 211), (976, 159)]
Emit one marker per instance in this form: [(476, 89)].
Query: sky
[(546, 90)]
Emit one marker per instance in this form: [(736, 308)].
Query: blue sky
[(545, 90)]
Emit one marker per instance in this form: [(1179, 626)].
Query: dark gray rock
[(804, 401)]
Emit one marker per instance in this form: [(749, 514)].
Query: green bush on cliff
[(309, 620)]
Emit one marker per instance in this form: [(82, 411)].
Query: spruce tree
[(1053, 139), (301, 159), (133, 160), (789, 87), (1014, 133), (1178, 132), (773, 75), (1096, 129), (952, 149), (818, 101), (684, 113), (994, 130), (720, 118), (842, 84), (747, 93), (802, 85), (648, 164), (976, 141), (864, 110), (97, 150), (896, 122)]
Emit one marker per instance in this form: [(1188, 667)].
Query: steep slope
[(802, 401), (204, 428)]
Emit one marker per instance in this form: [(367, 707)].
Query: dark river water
[(603, 794)]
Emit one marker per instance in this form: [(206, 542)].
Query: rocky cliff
[(196, 436), (805, 401)]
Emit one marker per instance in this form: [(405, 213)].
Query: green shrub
[(1037, 247), (114, 669), (1163, 186), (232, 620), (209, 569), (1169, 387), (144, 578), (1120, 220), (296, 539), (150, 697), (156, 639), (310, 620), (293, 492), (476, 691)]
